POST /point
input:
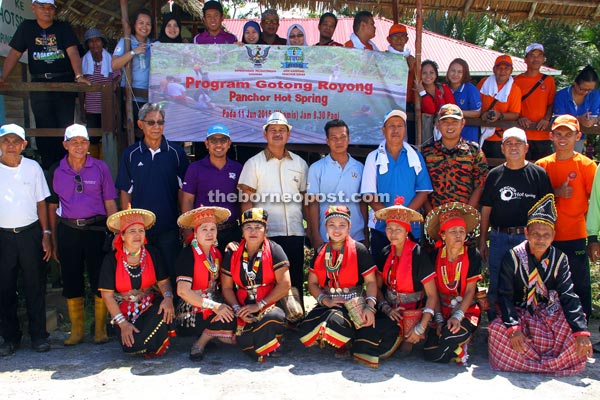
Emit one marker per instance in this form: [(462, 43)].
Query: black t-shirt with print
[(46, 48)]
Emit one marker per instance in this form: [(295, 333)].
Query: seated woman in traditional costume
[(253, 278), (342, 317), (406, 278), (543, 328), (198, 268), (135, 286), (458, 268)]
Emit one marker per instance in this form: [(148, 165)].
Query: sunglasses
[(152, 123), (300, 35), (215, 140), (79, 182)]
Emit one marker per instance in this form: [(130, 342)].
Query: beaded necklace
[(251, 273), (212, 267), (142, 264), (452, 286)]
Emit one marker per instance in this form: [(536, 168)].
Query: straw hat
[(440, 215), (398, 212), (121, 220), (200, 215)]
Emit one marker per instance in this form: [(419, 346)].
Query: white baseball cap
[(516, 133), (45, 2), (12, 128), (534, 46), (76, 130), (394, 113), (277, 118)]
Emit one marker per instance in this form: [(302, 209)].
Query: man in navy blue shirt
[(150, 176)]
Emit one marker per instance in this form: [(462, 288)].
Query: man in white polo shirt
[(275, 179), (24, 241)]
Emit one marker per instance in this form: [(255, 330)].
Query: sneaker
[(7, 349), (40, 345)]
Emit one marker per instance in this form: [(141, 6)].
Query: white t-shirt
[(278, 184), (21, 189)]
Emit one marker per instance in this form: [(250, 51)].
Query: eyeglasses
[(270, 21), (300, 35), (152, 123), (214, 140), (79, 182)]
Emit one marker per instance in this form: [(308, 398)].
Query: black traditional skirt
[(259, 338), (154, 336)]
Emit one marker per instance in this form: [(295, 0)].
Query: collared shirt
[(96, 186), (140, 66), (278, 41), (399, 180), (455, 172), (277, 186), (212, 186), (220, 38), (22, 188), (564, 103), (336, 185), (468, 99), (153, 180)]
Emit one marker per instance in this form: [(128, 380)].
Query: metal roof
[(435, 47)]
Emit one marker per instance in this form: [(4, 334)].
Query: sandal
[(196, 353)]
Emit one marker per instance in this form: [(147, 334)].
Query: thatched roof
[(573, 11), (107, 14)]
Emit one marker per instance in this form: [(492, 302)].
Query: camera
[(491, 114)]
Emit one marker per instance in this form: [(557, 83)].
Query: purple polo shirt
[(96, 184), (221, 38), (203, 178)]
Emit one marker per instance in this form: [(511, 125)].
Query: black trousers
[(78, 251), (576, 251), (52, 110), (294, 249), (22, 251)]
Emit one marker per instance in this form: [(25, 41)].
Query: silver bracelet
[(439, 318), (209, 304), (459, 315), (419, 329), (429, 311), (372, 298), (320, 298), (118, 319), (261, 304), (168, 293), (236, 308)]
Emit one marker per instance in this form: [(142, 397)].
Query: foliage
[(472, 28)]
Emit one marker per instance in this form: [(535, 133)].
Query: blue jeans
[(500, 243)]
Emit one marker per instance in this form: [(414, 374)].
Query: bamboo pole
[(418, 44), (128, 74)]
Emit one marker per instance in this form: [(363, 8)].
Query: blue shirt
[(154, 180), (140, 67), (336, 186), (399, 180), (564, 104), (468, 99)]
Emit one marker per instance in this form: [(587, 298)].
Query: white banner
[(12, 13)]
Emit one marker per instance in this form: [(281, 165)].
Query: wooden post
[(128, 74), (418, 41)]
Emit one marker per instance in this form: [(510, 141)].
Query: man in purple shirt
[(214, 33), (83, 196), (213, 181)]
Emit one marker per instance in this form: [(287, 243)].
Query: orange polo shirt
[(535, 105), (350, 44)]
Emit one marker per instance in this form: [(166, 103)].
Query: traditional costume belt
[(133, 295), (452, 301), (403, 298), (343, 293), (86, 223), (511, 230), (51, 75), (21, 228)]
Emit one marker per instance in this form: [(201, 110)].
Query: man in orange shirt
[(537, 99), (500, 101), (363, 29), (571, 174)]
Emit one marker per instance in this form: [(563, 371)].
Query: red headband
[(452, 222), (406, 225)]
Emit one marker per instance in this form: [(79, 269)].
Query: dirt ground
[(89, 371)]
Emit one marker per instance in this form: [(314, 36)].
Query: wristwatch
[(167, 294), (132, 53), (78, 76)]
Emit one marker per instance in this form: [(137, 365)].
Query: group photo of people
[(479, 232)]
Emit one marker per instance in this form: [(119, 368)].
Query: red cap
[(568, 121), (503, 59), (398, 29)]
